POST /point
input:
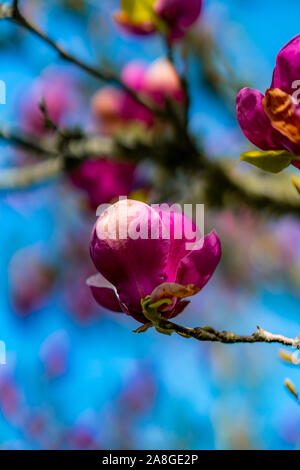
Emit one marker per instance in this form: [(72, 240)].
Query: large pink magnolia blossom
[(175, 15), (272, 122), (132, 264)]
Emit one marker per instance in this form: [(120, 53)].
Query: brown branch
[(55, 162), (13, 13), (217, 184), (26, 143), (226, 337)]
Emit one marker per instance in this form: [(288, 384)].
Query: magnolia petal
[(282, 113), (296, 163), (182, 232), (254, 122), (287, 69), (104, 293), (178, 15), (134, 75), (180, 306), (118, 181), (200, 264), (131, 260)]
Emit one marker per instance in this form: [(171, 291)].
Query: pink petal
[(200, 264), (254, 122), (287, 69), (162, 80), (296, 163), (181, 231), (134, 266), (180, 306), (134, 75), (103, 179), (104, 293), (178, 14)]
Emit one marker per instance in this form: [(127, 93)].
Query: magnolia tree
[(149, 252)]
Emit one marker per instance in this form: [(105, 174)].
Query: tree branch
[(227, 337), (13, 13), (56, 162), (27, 176), (217, 184), (26, 143)]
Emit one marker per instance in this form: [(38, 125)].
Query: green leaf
[(272, 161), (139, 11)]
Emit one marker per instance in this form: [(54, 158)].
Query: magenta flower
[(162, 81), (103, 180), (106, 108), (272, 122), (171, 16), (134, 76), (179, 15), (140, 251), (113, 107)]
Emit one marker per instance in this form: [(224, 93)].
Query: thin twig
[(56, 161), (26, 143), (168, 113), (13, 13)]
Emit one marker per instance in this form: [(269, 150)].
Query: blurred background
[(76, 377)]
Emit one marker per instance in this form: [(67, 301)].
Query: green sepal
[(272, 161), (153, 315)]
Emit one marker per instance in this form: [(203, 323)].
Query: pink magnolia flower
[(113, 107), (272, 122), (55, 90), (107, 108), (139, 251), (104, 180), (179, 15), (134, 76), (175, 15), (162, 81)]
